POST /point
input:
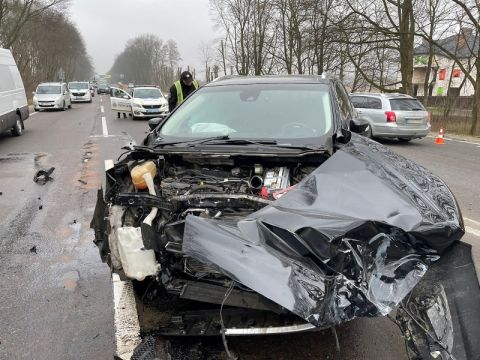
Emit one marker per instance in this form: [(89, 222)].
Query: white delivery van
[(13, 101)]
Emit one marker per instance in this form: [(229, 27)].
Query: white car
[(13, 102), (148, 102), (80, 91), (54, 95)]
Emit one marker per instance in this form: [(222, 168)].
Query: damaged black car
[(257, 199)]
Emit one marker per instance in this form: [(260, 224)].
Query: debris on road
[(82, 181), (33, 249), (40, 207), (43, 176)]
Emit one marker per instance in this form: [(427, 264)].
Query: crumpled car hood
[(352, 239)]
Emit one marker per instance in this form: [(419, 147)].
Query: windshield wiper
[(192, 141), (261, 142)]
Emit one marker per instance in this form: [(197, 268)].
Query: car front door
[(121, 101), (66, 94)]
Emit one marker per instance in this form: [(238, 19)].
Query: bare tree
[(15, 14), (147, 59)]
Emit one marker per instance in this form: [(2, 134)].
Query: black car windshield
[(48, 89), (253, 111), (147, 94), (78, 86)]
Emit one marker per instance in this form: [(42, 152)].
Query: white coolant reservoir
[(137, 262)]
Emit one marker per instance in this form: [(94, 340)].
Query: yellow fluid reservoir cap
[(138, 171)]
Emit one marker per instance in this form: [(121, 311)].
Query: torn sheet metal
[(352, 239)]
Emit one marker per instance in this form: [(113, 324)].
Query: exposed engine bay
[(214, 192), (284, 243)]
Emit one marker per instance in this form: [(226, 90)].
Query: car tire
[(404, 140), (17, 130), (368, 133)]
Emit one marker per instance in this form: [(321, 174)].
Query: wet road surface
[(56, 299)]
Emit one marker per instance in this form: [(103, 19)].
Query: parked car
[(103, 89), (393, 115), (53, 95), (254, 197), (80, 91), (13, 101)]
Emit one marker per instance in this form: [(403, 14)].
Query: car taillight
[(391, 117)]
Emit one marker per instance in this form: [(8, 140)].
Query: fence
[(453, 114)]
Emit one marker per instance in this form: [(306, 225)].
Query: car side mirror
[(359, 125), (153, 123)]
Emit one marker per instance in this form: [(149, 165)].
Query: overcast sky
[(106, 25)]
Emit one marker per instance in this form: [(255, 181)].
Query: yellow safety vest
[(178, 86)]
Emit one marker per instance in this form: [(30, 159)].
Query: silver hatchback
[(393, 115)]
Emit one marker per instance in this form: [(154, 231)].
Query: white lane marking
[(108, 164), (104, 127), (102, 109), (101, 100), (473, 221), (472, 231), (127, 326)]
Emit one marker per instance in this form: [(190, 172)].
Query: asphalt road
[(56, 299)]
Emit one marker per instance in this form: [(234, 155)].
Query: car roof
[(270, 79), (384, 95), (145, 87), (51, 83)]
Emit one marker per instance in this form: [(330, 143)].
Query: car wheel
[(404, 140), (17, 130), (368, 133)]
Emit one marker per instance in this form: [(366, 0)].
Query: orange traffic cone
[(439, 139)]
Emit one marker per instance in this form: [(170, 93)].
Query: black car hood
[(352, 239)]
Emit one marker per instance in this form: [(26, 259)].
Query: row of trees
[(147, 59), (46, 45), (368, 44)]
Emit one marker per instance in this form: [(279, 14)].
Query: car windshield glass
[(49, 89), (147, 94), (78, 86), (406, 105), (267, 111)]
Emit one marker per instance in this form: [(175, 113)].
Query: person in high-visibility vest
[(181, 89)]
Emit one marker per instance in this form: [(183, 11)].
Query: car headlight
[(164, 107), (137, 106)]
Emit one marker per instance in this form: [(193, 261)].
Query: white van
[(13, 101)]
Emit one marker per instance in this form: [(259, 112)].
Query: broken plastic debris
[(42, 176), (33, 249)]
